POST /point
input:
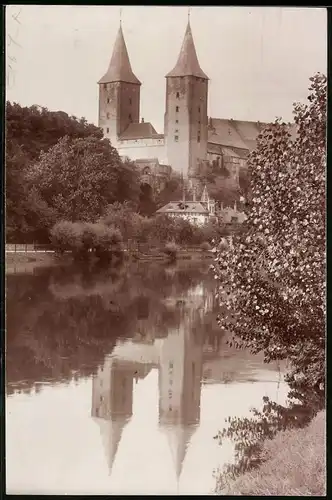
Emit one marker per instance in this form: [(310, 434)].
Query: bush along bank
[(87, 241)]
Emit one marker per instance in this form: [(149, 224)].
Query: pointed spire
[(187, 64), (119, 69)]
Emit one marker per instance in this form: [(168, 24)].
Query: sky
[(259, 59)]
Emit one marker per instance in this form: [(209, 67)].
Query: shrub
[(67, 235), (80, 238), (171, 250), (205, 246)]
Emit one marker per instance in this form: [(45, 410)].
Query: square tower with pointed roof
[(186, 119), (119, 93)]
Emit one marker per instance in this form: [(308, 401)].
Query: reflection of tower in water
[(180, 373), (179, 358), (112, 402)]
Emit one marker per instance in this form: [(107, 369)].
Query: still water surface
[(117, 381)]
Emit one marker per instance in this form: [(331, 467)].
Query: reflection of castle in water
[(179, 360)]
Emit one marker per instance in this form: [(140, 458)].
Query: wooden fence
[(130, 247)]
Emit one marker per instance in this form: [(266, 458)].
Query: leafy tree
[(30, 130), (79, 178), (37, 129), (172, 191), (274, 273), (123, 217), (27, 215), (86, 240)]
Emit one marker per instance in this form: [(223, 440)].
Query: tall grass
[(294, 465)]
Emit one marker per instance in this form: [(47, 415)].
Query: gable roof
[(119, 69), (142, 130), (239, 134), (189, 207), (187, 63)]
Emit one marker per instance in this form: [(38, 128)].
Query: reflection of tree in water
[(70, 317), (249, 434)]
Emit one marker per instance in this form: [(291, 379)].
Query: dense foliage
[(275, 271), (86, 240), (79, 178), (161, 229), (59, 167), (272, 279)]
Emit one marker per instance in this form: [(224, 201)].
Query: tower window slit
[(176, 138), (107, 130), (108, 116), (177, 109), (176, 121), (105, 86), (108, 100), (177, 95), (130, 118), (130, 101)]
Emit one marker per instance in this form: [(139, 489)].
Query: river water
[(118, 380)]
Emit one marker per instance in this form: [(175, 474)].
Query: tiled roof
[(140, 131), (119, 69), (223, 132), (185, 207), (187, 63), (237, 134)]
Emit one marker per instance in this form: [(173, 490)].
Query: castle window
[(105, 86), (108, 116), (176, 131), (130, 118), (198, 137), (130, 101), (176, 138), (176, 121), (108, 100), (177, 95), (177, 109), (107, 130), (199, 109)]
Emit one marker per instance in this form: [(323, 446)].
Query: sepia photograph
[(165, 250)]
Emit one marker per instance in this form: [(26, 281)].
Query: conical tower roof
[(111, 433), (119, 69), (178, 437), (187, 64)]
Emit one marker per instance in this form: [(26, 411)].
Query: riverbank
[(294, 465), (48, 258)]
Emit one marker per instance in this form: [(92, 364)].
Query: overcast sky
[(258, 59)]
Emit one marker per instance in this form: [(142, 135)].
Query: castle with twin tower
[(191, 139)]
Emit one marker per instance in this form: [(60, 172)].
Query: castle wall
[(143, 148)]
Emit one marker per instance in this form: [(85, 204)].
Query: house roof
[(186, 207), (142, 130), (119, 69), (219, 149), (237, 134), (187, 63)]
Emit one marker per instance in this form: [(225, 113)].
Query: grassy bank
[(295, 465)]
